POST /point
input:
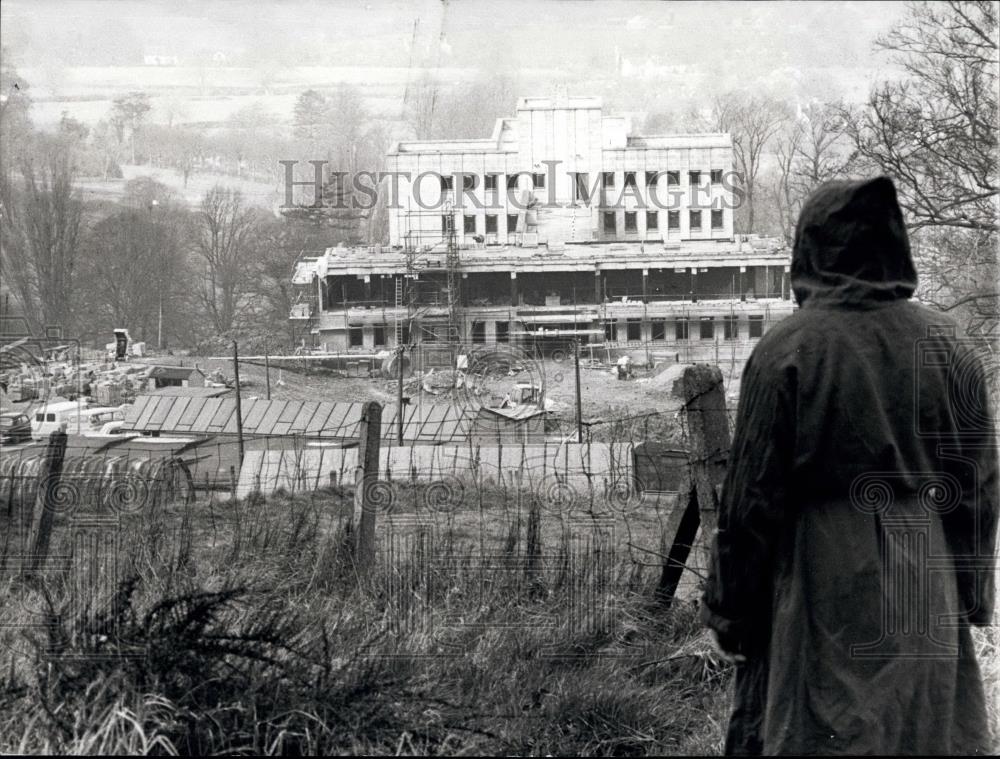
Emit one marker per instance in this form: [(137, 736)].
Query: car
[(15, 428)]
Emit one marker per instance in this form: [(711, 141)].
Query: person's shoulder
[(933, 320), (787, 337)]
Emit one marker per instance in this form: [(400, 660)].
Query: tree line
[(222, 266)]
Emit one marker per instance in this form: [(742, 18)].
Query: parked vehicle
[(53, 416), (90, 420), (15, 428)]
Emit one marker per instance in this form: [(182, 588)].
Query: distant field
[(258, 193)]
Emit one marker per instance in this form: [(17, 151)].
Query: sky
[(77, 54)]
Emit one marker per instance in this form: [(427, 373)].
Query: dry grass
[(245, 627)]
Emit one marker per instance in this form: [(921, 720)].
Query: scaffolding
[(426, 261)]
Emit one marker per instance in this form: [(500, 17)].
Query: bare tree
[(809, 150), (128, 113), (226, 247), (421, 102), (753, 121), (16, 135), (42, 223), (935, 132), (132, 269), (785, 189)]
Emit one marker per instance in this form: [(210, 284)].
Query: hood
[(851, 246)]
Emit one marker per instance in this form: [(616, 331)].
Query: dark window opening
[(707, 327), (659, 327), (538, 180), (695, 220), (379, 334), (446, 223), (681, 329), (694, 177), (468, 181), (716, 176), (673, 178), (608, 179), (630, 179), (469, 224), (651, 177), (512, 181), (730, 329), (580, 189), (633, 329), (511, 223), (478, 332), (503, 332), (491, 181), (756, 325), (717, 219), (447, 183), (652, 221), (356, 336), (608, 222), (630, 221), (609, 331), (673, 219), (491, 223)]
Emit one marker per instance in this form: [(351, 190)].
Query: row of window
[(581, 183), (633, 330), (682, 328), (609, 222)]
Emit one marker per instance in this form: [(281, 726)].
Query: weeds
[(242, 627)]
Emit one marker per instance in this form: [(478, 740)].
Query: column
[(645, 285), (513, 289), (598, 295)]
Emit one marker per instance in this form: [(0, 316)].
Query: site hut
[(175, 376), (302, 425), (564, 225)]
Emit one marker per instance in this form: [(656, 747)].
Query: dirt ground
[(603, 396)]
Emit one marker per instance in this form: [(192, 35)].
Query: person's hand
[(729, 656)]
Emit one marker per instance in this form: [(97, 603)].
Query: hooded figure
[(858, 520)]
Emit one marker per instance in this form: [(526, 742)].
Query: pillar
[(598, 295), (645, 285), (513, 289)]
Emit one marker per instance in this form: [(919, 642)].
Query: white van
[(52, 416)]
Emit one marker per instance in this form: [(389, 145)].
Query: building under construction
[(560, 225)]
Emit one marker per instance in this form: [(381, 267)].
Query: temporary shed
[(429, 424), (175, 376)]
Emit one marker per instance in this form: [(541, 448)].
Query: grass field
[(245, 627), (485, 626)]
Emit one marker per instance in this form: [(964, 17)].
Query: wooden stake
[(366, 475), (701, 389), (47, 502)]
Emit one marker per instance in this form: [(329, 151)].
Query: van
[(52, 416)]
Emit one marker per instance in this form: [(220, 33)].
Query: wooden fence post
[(47, 501), (366, 475), (702, 391)]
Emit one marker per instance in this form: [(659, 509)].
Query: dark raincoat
[(857, 526)]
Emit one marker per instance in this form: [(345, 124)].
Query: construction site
[(582, 247), (551, 303)]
